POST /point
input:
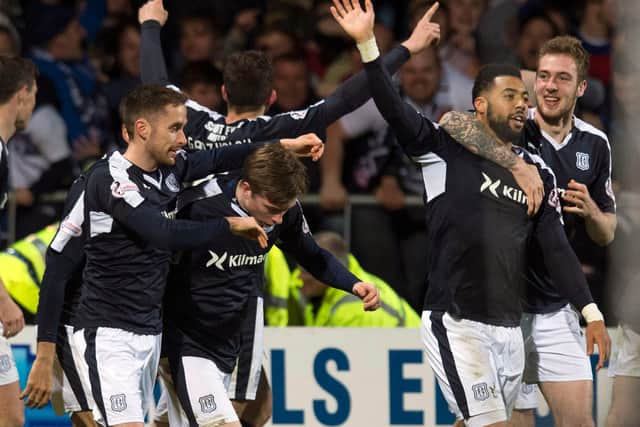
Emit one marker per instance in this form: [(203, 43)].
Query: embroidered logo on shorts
[(118, 402), (527, 388), (5, 363), (480, 391), (207, 403)]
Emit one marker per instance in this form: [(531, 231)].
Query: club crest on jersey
[(582, 161), (298, 115), (207, 403), (118, 402), (172, 183), (480, 391), (5, 363)]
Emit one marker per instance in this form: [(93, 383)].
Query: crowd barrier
[(341, 377)]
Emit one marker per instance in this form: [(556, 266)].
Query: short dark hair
[(570, 46), (487, 75), (16, 72), (248, 80), (145, 101), (276, 174), (199, 72)]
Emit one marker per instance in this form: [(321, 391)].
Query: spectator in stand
[(276, 40), (68, 81), (459, 48), (123, 57), (200, 39), (10, 44), (534, 30), (201, 81), (595, 30)]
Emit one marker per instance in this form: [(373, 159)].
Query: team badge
[(480, 391), (527, 388), (582, 161), (207, 403), (118, 402), (172, 183), (5, 363)]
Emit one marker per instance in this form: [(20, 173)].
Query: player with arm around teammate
[(479, 372), (580, 157), (209, 305)]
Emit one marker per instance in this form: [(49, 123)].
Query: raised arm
[(469, 132), (355, 91), (152, 16), (415, 134)]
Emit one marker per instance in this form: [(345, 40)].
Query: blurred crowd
[(88, 54)]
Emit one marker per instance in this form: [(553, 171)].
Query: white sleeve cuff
[(591, 313), (369, 50)]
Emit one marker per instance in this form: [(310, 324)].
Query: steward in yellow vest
[(326, 306)]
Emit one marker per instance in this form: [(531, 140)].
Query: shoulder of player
[(590, 133)]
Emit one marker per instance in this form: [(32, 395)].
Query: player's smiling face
[(557, 87), (167, 134), (506, 107)]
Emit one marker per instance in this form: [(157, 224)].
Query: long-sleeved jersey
[(130, 234), (207, 129), (584, 156), (62, 279), (210, 288), (477, 224)]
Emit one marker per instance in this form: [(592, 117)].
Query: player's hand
[(369, 295), (248, 227), (333, 196), (11, 317), (425, 33), (389, 194), (581, 203), (596, 332), (39, 384), (528, 178), (153, 10), (357, 23), (307, 145)]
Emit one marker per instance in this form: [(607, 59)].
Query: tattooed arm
[(480, 140)]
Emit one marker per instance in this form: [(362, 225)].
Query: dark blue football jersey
[(130, 234), (478, 229), (584, 156), (209, 289)]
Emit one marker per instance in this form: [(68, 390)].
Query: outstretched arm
[(480, 139), (415, 134), (152, 17), (355, 91)]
